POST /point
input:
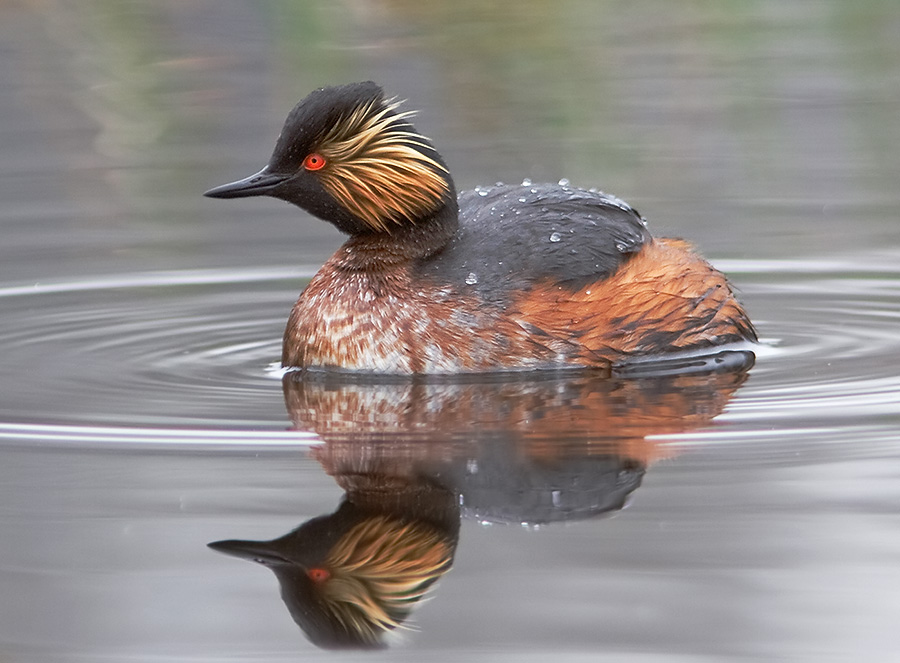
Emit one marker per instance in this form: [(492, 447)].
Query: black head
[(348, 156), (350, 577)]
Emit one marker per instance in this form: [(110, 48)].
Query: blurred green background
[(756, 129)]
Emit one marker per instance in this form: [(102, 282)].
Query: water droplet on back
[(555, 237), (472, 278), (564, 182), (526, 182)]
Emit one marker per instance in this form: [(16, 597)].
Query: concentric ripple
[(166, 350), (833, 348), (179, 357)]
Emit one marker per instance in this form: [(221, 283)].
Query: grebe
[(502, 278)]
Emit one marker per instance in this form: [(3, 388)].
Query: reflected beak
[(260, 184), (262, 552)]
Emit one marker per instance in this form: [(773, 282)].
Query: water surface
[(721, 517)]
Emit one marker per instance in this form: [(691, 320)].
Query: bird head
[(350, 578), (349, 156)]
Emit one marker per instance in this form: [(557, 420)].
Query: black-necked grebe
[(501, 278)]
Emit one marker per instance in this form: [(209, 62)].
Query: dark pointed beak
[(260, 184), (257, 551)]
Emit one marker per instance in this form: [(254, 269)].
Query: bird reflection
[(414, 456), (351, 576)]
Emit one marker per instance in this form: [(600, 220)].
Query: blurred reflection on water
[(138, 318), (412, 458)]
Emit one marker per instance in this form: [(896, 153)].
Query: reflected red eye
[(318, 574), (314, 161)]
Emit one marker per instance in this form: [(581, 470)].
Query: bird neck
[(403, 244)]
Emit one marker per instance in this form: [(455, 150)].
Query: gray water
[(141, 417)]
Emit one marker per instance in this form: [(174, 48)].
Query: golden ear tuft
[(379, 570), (375, 169)]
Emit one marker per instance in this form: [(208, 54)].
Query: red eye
[(314, 161), (318, 574)]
